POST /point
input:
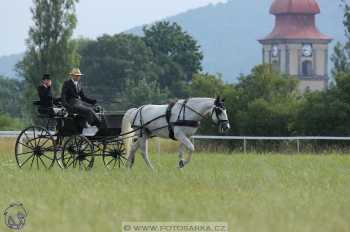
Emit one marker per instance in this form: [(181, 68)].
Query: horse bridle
[(217, 109)]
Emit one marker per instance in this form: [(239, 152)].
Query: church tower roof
[(295, 20), (294, 7)]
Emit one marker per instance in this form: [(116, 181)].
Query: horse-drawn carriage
[(67, 145), (61, 140)]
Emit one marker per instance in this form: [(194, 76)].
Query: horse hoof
[(181, 164)]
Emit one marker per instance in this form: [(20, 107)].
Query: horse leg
[(182, 148), (144, 151), (181, 137), (131, 157)]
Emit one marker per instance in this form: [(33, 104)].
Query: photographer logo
[(15, 216)]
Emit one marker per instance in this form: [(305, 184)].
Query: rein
[(179, 121), (203, 116)]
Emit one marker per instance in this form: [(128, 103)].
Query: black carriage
[(60, 140)]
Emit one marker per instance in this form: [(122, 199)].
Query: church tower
[(295, 46)]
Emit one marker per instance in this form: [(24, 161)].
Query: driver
[(75, 101)]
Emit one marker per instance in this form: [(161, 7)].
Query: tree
[(205, 85), (326, 113), (176, 53), (265, 103), (143, 92), (49, 49), (9, 123), (264, 82), (111, 63), (11, 98), (341, 56), (340, 60), (323, 114)]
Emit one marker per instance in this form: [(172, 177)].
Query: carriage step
[(90, 131)]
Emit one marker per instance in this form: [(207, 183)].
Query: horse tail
[(126, 133)]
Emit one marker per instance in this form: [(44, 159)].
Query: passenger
[(74, 99), (48, 103)]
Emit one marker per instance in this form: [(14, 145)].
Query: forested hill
[(7, 65), (228, 32)]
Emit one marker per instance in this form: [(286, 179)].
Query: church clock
[(307, 50)]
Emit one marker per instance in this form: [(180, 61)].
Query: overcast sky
[(95, 17)]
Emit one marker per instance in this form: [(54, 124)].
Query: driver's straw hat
[(76, 72)]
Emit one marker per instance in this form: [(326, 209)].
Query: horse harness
[(180, 121)]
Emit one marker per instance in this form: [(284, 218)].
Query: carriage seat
[(57, 111)]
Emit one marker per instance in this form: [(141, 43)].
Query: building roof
[(294, 7), (296, 27), (295, 20)]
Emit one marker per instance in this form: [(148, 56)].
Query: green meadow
[(251, 192)]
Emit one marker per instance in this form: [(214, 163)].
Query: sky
[(95, 17)]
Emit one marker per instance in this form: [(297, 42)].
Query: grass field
[(267, 193)]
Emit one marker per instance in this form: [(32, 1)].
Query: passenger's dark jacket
[(71, 95), (45, 95)]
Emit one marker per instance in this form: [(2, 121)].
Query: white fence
[(244, 139), (9, 134)]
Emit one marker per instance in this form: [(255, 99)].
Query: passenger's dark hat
[(46, 76)]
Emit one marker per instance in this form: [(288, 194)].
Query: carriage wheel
[(114, 154), (78, 151), (59, 151), (35, 148)]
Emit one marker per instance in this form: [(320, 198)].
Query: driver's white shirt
[(75, 83)]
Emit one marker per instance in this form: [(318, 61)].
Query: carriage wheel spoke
[(113, 154), (85, 165), (25, 145), (76, 162), (69, 159), (25, 153), (91, 163), (29, 140), (76, 144), (69, 164), (110, 162), (90, 160), (27, 160), (106, 154), (114, 163), (37, 162), (48, 157), (121, 156), (48, 148), (66, 157), (42, 162), (85, 148), (45, 142), (40, 136), (79, 153), (33, 129), (31, 164)]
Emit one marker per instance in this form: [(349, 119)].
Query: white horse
[(179, 121)]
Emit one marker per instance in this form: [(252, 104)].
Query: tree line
[(164, 64)]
